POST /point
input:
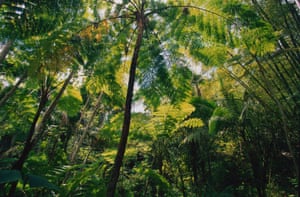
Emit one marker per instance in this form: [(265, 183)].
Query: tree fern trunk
[(127, 116)]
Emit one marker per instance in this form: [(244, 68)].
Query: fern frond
[(193, 137), (221, 119), (192, 123), (179, 113)]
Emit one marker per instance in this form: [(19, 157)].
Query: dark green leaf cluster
[(34, 181)]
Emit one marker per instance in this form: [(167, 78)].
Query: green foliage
[(29, 18), (221, 119), (245, 14), (11, 123), (181, 78), (154, 77), (211, 55), (139, 132), (38, 181), (84, 180), (258, 36), (204, 108), (192, 123), (179, 146), (7, 176), (157, 180), (169, 119), (34, 181), (71, 102), (178, 113), (260, 41)]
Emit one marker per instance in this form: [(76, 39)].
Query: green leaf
[(8, 176), (5, 162), (38, 181)]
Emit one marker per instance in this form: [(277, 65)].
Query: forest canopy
[(149, 98)]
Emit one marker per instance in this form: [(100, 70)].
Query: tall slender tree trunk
[(127, 114), (36, 129), (28, 144)]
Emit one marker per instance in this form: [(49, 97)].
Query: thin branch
[(77, 145), (12, 90), (129, 42)]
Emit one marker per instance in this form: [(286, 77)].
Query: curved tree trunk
[(127, 114)]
